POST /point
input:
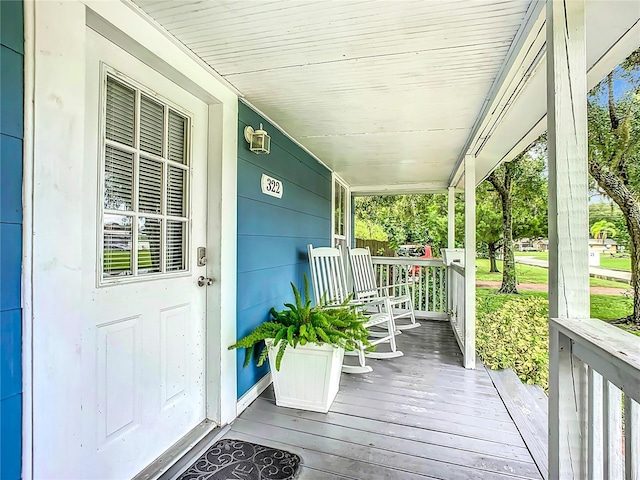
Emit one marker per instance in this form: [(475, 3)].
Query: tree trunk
[(493, 248), (620, 193), (503, 187), (509, 281), (634, 233)]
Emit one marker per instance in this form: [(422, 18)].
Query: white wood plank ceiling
[(384, 92)]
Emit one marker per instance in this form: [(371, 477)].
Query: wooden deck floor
[(418, 416)]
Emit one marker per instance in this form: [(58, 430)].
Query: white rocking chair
[(330, 285), (366, 290)]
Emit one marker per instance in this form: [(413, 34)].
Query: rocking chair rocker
[(330, 285)]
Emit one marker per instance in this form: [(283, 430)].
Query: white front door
[(143, 347)]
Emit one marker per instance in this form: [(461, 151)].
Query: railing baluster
[(426, 289), (433, 287), (418, 305), (632, 439), (595, 415), (428, 286), (612, 430), (441, 289)]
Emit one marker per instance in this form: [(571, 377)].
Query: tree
[(519, 185), (489, 222), (602, 230), (419, 219), (614, 154)]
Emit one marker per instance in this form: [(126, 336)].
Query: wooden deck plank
[(418, 416), (441, 424), (467, 388), (307, 473), (496, 414), (331, 464), (437, 422), (484, 447), (531, 420), (403, 463), (503, 425), (491, 416), (398, 445), (433, 394)]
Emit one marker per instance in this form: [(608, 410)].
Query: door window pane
[(120, 112), (145, 182), (150, 186), (175, 245), (177, 137), (118, 179), (176, 183), (117, 240), (149, 245), (151, 125)]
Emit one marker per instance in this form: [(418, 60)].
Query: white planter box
[(309, 376)]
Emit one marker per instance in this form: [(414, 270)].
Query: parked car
[(418, 251), (410, 250)]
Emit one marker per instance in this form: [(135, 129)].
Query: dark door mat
[(240, 460)]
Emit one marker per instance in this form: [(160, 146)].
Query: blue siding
[(273, 233), (11, 136)]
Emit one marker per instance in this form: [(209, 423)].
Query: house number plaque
[(271, 186)]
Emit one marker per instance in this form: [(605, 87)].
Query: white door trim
[(347, 211), (53, 101), (27, 240)]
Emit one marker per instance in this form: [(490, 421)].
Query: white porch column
[(568, 232), (451, 217), (470, 262)]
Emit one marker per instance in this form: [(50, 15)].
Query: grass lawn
[(605, 307), (622, 264), (606, 260), (541, 255), (529, 274)]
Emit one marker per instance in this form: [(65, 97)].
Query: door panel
[(143, 348)]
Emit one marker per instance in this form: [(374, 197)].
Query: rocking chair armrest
[(386, 287), (373, 301), (351, 304)]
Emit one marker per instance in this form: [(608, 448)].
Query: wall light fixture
[(258, 140)]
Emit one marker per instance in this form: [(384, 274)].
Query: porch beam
[(514, 68), (568, 232), (470, 261), (451, 217)]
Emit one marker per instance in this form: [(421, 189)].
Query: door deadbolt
[(202, 256), (204, 281)]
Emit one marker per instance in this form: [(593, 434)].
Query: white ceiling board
[(382, 90), (390, 147), (395, 85)]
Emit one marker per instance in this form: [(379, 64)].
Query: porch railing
[(427, 280), (594, 416), (457, 302)]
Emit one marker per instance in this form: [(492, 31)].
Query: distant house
[(541, 245), (608, 246), (525, 245), (532, 245)]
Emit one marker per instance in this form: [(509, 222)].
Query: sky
[(623, 83)]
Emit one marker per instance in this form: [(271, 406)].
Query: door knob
[(204, 281)]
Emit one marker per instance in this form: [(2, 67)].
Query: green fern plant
[(301, 323)]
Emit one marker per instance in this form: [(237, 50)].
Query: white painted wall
[(54, 394)]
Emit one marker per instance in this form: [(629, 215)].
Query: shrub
[(515, 335)]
